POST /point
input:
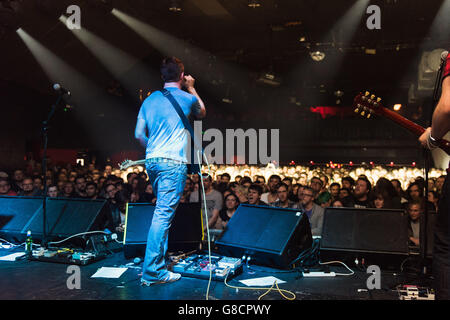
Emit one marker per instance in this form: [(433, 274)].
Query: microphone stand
[(45, 128), (423, 232)]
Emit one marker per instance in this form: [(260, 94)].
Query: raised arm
[(189, 82)]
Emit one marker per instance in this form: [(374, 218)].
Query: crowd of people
[(311, 189)]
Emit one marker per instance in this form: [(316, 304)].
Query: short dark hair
[(275, 176), (256, 187), (226, 175), (349, 179), (317, 178), (245, 180), (282, 184), (335, 184), (314, 193), (368, 184), (91, 183), (171, 69), (79, 177)]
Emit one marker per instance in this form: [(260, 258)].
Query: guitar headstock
[(367, 104), (125, 164)]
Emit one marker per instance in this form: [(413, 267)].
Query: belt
[(166, 160)]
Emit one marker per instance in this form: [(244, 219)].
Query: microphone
[(62, 90)]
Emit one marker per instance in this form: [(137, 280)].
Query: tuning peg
[(369, 115), (372, 97), (367, 93), (363, 113), (378, 99)]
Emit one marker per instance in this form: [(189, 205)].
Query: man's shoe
[(172, 277)]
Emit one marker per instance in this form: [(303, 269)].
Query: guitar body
[(366, 105), (191, 168)]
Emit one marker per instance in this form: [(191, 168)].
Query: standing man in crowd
[(362, 192), (161, 131), (312, 210), (440, 125), (214, 202)]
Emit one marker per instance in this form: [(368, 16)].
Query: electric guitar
[(367, 104), (129, 163)]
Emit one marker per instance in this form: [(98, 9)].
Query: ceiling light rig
[(317, 55), (175, 6), (254, 4)]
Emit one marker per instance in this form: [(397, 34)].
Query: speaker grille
[(367, 230)]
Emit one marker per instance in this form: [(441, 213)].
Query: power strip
[(318, 274)]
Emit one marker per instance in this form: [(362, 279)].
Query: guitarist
[(166, 158), (440, 125)]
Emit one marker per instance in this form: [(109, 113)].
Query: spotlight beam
[(115, 60), (85, 94)]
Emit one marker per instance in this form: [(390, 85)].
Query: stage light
[(174, 6), (397, 106), (254, 4), (302, 39), (317, 55), (117, 61), (370, 51)]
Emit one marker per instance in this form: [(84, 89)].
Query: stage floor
[(33, 280)]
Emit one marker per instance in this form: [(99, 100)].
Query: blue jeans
[(168, 180)]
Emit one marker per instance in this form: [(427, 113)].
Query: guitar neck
[(405, 123), (412, 127)]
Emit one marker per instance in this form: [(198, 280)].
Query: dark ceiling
[(252, 39)]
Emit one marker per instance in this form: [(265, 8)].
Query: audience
[(415, 209), (254, 195), (361, 193), (311, 189), (312, 210), (231, 204), (283, 199)]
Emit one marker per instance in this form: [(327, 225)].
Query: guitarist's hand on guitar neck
[(427, 141), (367, 104)]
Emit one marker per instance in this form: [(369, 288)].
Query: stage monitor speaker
[(365, 230), (185, 232), (65, 217), (268, 235)]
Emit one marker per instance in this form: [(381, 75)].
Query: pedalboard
[(411, 292), (66, 256), (199, 266)]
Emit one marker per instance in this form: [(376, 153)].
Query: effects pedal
[(411, 292), (199, 266), (66, 256)]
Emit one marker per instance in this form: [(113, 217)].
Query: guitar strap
[(193, 166)]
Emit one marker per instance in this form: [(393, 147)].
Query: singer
[(440, 125), (166, 158)]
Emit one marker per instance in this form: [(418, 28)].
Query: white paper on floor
[(265, 281), (12, 256), (109, 272)]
